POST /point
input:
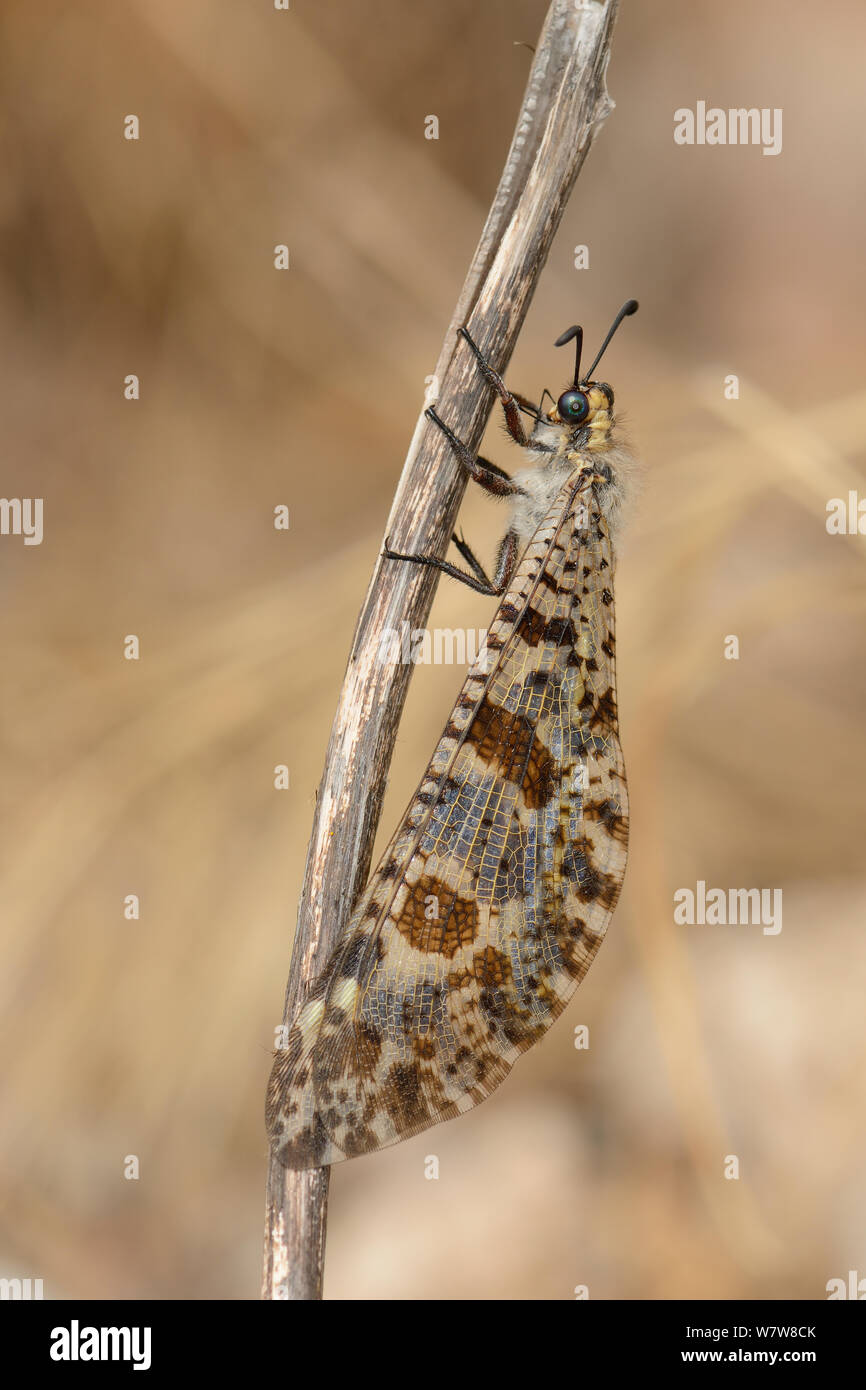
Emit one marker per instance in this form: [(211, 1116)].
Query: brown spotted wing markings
[(493, 896)]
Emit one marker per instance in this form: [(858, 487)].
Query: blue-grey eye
[(573, 407)]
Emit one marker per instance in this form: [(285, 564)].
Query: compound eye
[(573, 407)]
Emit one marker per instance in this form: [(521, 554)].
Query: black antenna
[(577, 333), (630, 307)]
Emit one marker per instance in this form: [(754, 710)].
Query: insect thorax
[(561, 454)]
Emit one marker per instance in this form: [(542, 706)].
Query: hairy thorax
[(561, 453)]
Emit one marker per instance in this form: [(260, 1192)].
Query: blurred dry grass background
[(152, 1038)]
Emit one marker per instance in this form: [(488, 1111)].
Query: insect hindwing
[(491, 900)]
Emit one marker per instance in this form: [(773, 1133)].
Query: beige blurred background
[(602, 1167)]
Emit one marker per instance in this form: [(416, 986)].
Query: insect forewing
[(493, 896)]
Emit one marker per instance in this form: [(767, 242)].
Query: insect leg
[(488, 476), (494, 468), (470, 559), (481, 586), (526, 404), (513, 422), (506, 562)]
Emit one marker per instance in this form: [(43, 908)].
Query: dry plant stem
[(565, 103)]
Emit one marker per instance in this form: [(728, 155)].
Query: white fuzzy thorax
[(547, 474)]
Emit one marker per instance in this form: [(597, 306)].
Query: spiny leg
[(494, 480), (481, 586), (506, 562), (494, 468), (487, 475), (469, 556), (528, 406), (510, 405)]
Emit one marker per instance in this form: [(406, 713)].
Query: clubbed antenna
[(630, 307), (575, 332)]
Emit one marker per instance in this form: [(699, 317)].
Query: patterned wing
[(492, 898)]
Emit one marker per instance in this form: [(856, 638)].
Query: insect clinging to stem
[(494, 894)]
